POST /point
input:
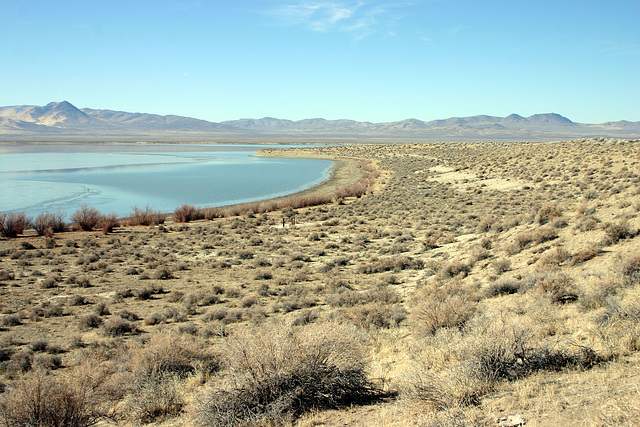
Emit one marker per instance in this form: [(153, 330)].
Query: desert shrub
[(11, 320), (86, 218), (619, 323), (546, 213), (117, 326), (187, 213), (614, 233), (12, 224), (442, 306), (631, 270), (466, 365), (454, 268), (40, 399), (155, 397), (210, 213), (485, 224), (173, 354), (108, 223), (375, 315), (49, 223), (584, 255), (90, 321), (501, 265), (280, 372), (503, 286), (479, 253), (555, 256), (497, 349), (163, 273), (544, 234), (557, 285), (384, 264), (159, 367), (146, 216)]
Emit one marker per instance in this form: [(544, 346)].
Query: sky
[(365, 60)]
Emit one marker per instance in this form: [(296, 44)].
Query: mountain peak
[(550, 119)]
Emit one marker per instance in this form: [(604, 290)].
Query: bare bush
[(40, 399), (86, 218), (146, 216), (614, 233), (490, 350), (631, 270), (546, 213), (187, 213), (282, 372), (159, 367), (12, 224), (442, 306), (108, 223), (49, 223)]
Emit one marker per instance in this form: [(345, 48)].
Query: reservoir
[(117, 177)]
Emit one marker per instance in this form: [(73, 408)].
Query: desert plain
[(464, 284)]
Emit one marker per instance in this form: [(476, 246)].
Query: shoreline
[(343, 174)]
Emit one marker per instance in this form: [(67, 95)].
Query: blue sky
[(364, 60)]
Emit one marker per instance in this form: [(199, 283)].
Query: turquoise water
[(116, 177)]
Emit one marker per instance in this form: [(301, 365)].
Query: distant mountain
[(62, 121)]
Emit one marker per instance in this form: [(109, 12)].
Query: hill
[(62, 121)]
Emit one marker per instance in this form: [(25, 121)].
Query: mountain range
[(62, 121)]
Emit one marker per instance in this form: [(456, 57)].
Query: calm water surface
[(116, 177)]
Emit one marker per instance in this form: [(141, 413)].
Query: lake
[(116, 177)]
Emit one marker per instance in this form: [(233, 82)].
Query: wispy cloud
[(357, 18), (621, 50)]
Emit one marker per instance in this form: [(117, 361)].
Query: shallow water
[(116, 177)]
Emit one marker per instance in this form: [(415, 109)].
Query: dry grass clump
[(282, 372), (454, 268), (117, 326)]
